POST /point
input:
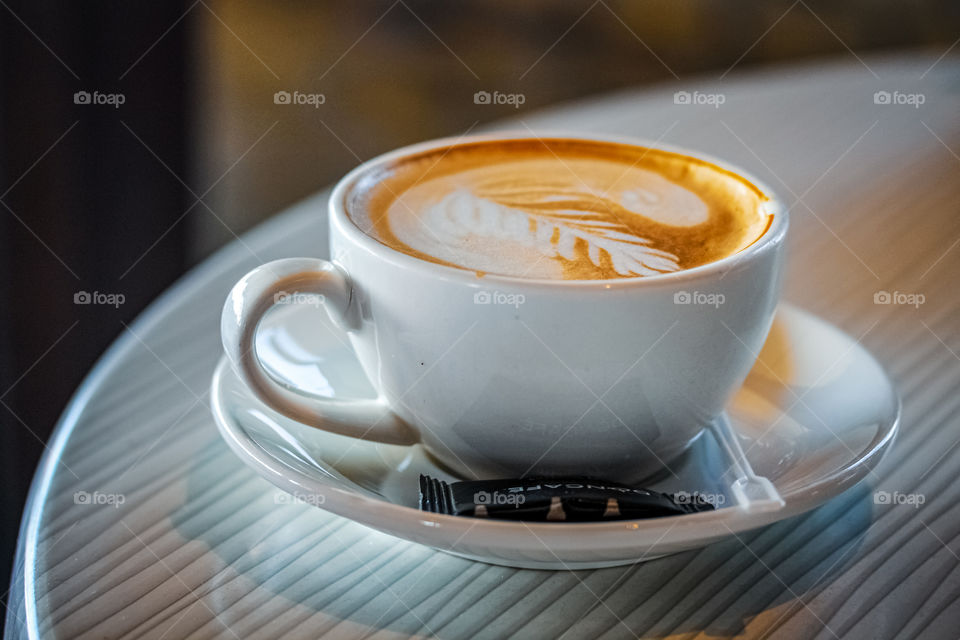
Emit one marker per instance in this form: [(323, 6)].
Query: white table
[(199, 548)]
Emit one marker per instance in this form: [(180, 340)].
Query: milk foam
[(550, 213)]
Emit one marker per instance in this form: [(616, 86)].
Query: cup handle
[(248, 302)]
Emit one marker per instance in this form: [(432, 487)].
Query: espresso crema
[(558, 209)]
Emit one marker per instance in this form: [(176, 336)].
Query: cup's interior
[(599, 209)]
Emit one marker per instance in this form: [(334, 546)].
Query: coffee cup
[(499, 373)]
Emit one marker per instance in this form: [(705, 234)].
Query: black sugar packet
[(572, 499)]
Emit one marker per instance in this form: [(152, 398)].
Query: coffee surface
[(558, 209)]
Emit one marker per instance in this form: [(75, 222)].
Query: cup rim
[(341, 220)]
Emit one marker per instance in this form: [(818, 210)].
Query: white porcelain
[(814, 415), (503, 376)]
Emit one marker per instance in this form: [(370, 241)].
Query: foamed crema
[(558, 209)]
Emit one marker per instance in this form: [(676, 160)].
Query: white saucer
[(814, 416)]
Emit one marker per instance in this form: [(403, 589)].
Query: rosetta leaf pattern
[(553, 229)]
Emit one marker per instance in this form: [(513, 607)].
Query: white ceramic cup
[(503, 376)]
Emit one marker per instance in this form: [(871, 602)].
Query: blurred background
[(137, 138)]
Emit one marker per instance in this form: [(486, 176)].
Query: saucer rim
[(352, 504)]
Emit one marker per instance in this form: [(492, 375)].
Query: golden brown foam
[(596, 209)]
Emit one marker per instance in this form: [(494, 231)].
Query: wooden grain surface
[(199, 547)]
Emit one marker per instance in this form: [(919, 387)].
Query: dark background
[(124, 200)]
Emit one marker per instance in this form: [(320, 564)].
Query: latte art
[(559, 209), (461, 214)]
